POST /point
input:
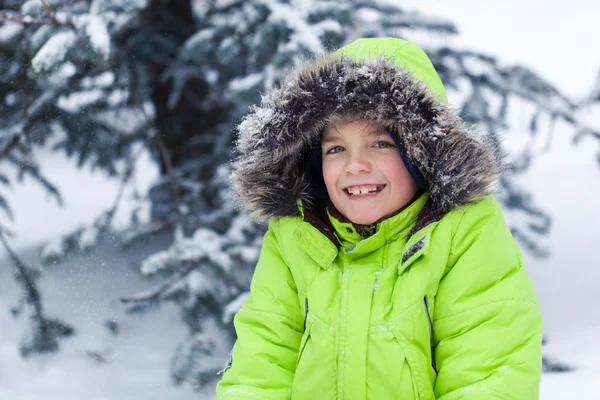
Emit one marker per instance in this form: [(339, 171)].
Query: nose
[(357, 163)]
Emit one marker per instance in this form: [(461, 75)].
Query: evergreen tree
[(104, 79)]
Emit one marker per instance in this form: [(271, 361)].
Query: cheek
[(330, 173), (396, 172)]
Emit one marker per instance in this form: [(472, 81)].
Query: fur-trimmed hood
[(387, 81)]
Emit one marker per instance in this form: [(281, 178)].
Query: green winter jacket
[(431, 303)]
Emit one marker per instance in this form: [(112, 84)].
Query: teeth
[(361, 190)]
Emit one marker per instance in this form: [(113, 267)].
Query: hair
[(338, 119)]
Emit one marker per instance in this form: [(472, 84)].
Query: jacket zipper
[(369, 231), (431, 341)]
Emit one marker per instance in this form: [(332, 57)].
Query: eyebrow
[(329, 139)]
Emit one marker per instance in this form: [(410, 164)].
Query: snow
[(155, 263), (197, 283), (551, 37), (103, 6), (212, 76), (248, 254), (233, 307), (149, 109), (327, 25), (476, 66), (31, 204), (62, 74), (103, 80), (117, 97), (117, 14), (595, 92), (34, 8), (204, 35), (9, 30), (303, 32), (197, 46), (76, 101), (261, 114), (61, 17), (582, 351), (53, 51), (246, 83), (204, 245), (53, 249), (10, 99), (6, 134), (201, 7), (88, 238), (96, 31), (124, 119), (40, 36), (94, 364)]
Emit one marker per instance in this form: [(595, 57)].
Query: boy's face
[(364, 173)]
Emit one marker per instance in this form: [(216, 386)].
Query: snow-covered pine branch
[(43, 333)]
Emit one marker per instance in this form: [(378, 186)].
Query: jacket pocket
[(412, 332), (315, 374), (308, 325)]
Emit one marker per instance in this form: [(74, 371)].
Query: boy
[(387, 271)]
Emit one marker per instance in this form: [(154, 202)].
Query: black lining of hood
[(317, 217), (428, 215)]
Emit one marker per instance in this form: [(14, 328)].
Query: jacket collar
[(385, 230), (323, 238)]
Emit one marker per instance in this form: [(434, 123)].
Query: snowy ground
[(582, 351), (84, 292)]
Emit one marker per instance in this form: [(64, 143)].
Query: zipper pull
[(306, 311)]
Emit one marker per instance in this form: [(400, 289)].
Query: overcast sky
[(558, 39)]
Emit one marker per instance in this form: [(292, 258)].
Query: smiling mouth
[(363, 190)]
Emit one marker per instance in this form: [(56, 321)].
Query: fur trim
[(460, 163)]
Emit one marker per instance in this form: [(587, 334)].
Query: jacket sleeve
[(269, 329), (487, 325)]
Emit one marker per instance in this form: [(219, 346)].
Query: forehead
[(333, 132)]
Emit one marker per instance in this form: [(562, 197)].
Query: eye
[(335, 149), (383, 144)]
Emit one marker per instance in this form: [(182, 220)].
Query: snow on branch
[(88, 237), (233, 307), (53, 52), (96, 32), (44, 333)]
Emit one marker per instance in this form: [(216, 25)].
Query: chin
[(364, 219)]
